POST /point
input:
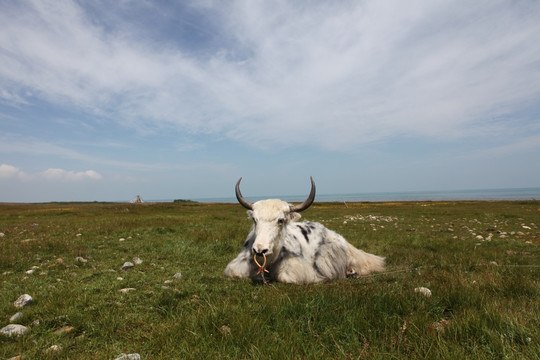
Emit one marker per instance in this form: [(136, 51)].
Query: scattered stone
[(14, 330), (31, 271), (126, 290), (137, 261), (494, 263), (34, 323), (225, 330), (23, 300), (127, 265), (60, 260), (15, 317), (526, 227), (78, 235), (177, 275), (129, 357), (119, 278), (2, 235), (168, 281), (55, 348), (439, 326), (423, 290), (64, 330), (81, 259), (480, 237), (121, 239)]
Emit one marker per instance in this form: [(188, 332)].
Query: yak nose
[(259, 251)]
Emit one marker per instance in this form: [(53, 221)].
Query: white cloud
[(12, 172), (69, 175), (333, 75), (8, 171), (12, 144)]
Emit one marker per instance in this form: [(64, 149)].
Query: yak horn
[(241, 199), (303, 206), (295, 208)]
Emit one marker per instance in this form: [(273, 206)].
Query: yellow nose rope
[(262, 268)]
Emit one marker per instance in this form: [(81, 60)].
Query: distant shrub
[(182, 201)]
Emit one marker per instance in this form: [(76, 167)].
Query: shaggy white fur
[(298, 252)]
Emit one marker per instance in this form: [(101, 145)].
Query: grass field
[(480, 260)]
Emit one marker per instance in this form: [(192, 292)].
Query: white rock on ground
[(177, 275), (23, 300), (137, 261), (15, 317), (126, 290), (81, 259), (127, 265), (14, 330), (55, 348), (423, 290), (129, 357)]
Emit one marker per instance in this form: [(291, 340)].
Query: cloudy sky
[(104, 100)]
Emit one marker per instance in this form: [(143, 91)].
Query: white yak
[(282, 249)]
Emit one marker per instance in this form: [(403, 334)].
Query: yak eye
[(281, 221)]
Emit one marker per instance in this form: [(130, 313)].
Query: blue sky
[(104, 100)]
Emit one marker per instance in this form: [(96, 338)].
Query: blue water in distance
[(454, 195)]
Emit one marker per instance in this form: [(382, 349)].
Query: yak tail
[(363, 263)]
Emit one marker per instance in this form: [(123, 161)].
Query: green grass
[(486, 310)]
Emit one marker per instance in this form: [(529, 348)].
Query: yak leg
[(363, 263), (295, 270), (240, 267)]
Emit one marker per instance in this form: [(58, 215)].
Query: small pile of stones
[(14, 329)]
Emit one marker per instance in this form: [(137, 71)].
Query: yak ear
[(294, 216)]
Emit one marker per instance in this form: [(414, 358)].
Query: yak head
[(270, 218)]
